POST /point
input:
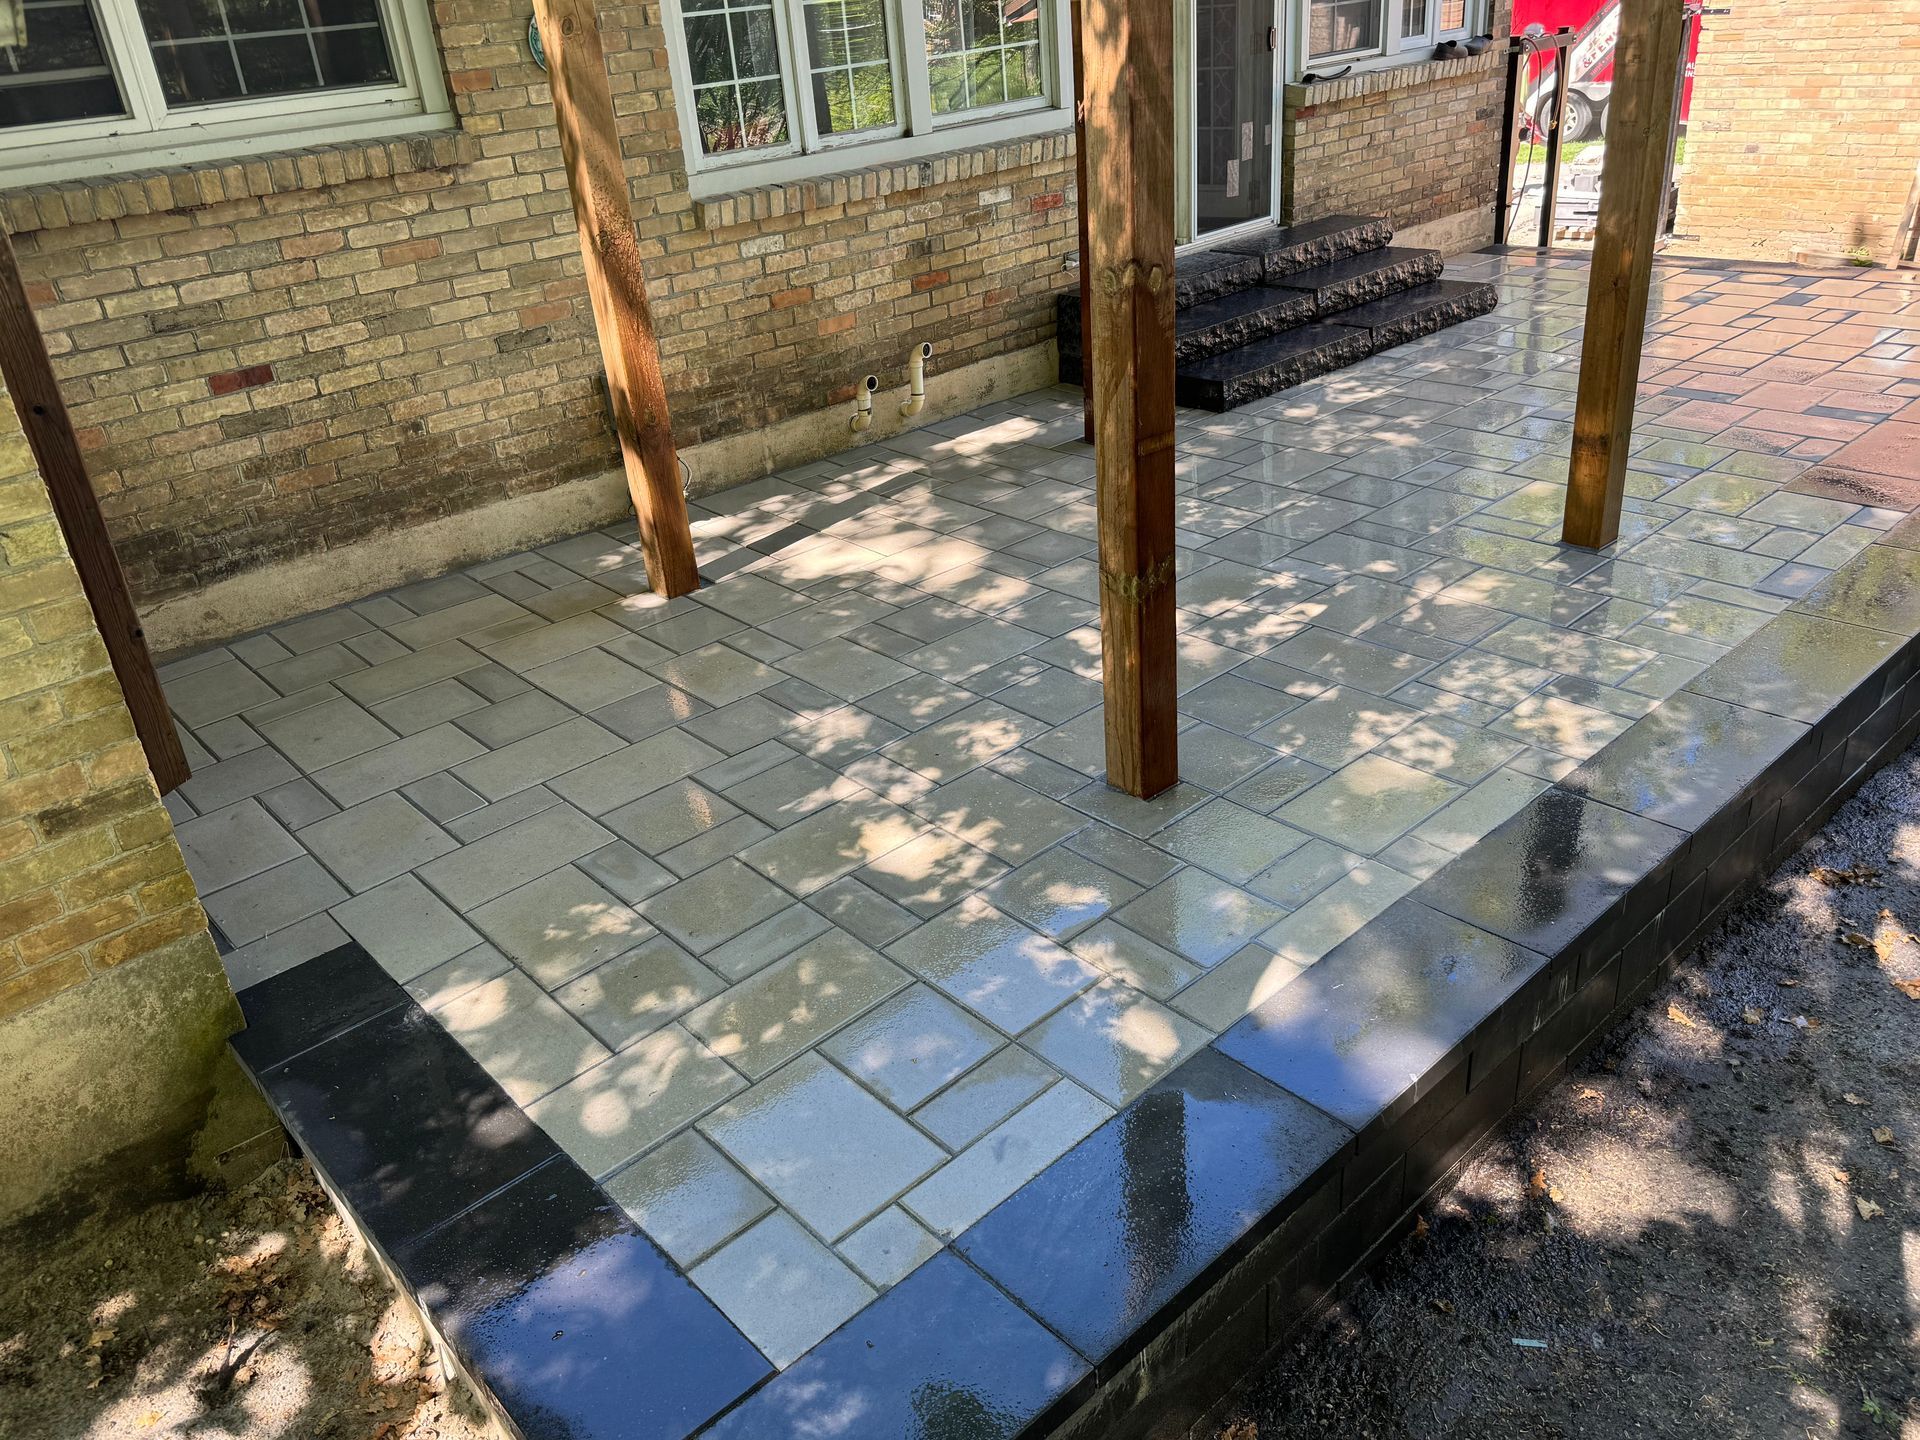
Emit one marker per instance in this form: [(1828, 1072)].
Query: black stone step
[(1238, 319), (1288, 249), (1357, 279), (1251, 372), (1208, 274), (1212, 325), (1422, 310)]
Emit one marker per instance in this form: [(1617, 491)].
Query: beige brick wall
[(90, 875), (1418, 144), (114, 1010), (1804, 129), (267, 359), (280, 357)]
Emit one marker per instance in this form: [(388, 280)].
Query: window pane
[(58, 70), (733, 57), (1336, 26), (1023, 73), (983, 53), (849, 65), (1413, 19), (755, 54), (1453, 14), (212, 50)]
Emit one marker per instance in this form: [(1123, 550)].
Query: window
[(777, 88), (96, 86), (1356, 31)]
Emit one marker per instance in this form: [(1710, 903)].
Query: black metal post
[(1510, 141), (1556, 140)]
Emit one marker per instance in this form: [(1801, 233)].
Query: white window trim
[(153, 135), (919, 133), (1394, 49)]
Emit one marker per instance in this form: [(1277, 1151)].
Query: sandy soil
[(1711, 1228), (252, 1315)]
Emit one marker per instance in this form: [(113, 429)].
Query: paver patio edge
[(1227, 1199)]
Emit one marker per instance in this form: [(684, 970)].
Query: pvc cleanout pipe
[(916, 400), (863, 403)]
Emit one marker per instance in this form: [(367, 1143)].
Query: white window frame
[(152, 133), (1396, 47), (917, 131)]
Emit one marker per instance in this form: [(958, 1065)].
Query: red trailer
[(1596, 24)]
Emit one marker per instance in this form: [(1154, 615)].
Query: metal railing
[(1553, 132)]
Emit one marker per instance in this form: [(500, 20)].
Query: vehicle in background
[(1596, 26)]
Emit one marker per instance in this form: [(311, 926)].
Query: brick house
[(1829, 172), (314, 295)]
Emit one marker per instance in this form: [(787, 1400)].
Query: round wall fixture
[(534, 46)]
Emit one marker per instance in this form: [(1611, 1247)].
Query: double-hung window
[(90, 87), (1340, 32), (773, 90)]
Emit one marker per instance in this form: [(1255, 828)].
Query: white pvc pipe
[(916, 400), (863, 403)]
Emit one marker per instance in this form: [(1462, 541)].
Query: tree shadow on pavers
[(250, 1314), (1709, 1226)]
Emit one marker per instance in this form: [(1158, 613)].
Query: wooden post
[(1081, 208), (49, 430), (617, 285), (1128, 52), (1633, 186)]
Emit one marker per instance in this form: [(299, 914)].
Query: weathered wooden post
[(1127, 48), (56, 450), (1633, 186), (617, 286)]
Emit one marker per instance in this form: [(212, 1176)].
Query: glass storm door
[(1233, 115)]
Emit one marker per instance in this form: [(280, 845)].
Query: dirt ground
[(1710, 1228), (254, 1315)]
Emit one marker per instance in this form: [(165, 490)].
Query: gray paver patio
[(797, 908)]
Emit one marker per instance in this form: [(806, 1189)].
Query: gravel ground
[(1711, 1227)]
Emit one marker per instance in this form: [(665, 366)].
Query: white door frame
[(1186, 188)]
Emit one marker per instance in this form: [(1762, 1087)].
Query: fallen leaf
[(1445, 1307), (1908, 988), (1852, 1099), (1883, 1134), (1868, 1210), (1752, 1015), (1419, 1227), (1843, 1177), (1680, 1017), (1537, 1185), (1789, 984), (1856, 939), (1589, 1093), (1853, 875)]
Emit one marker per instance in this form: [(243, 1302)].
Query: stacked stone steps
[(1272, 310)]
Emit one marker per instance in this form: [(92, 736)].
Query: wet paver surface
[(797, 911)]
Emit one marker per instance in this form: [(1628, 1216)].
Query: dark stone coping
[(1123, 1288), (562, 1313)]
